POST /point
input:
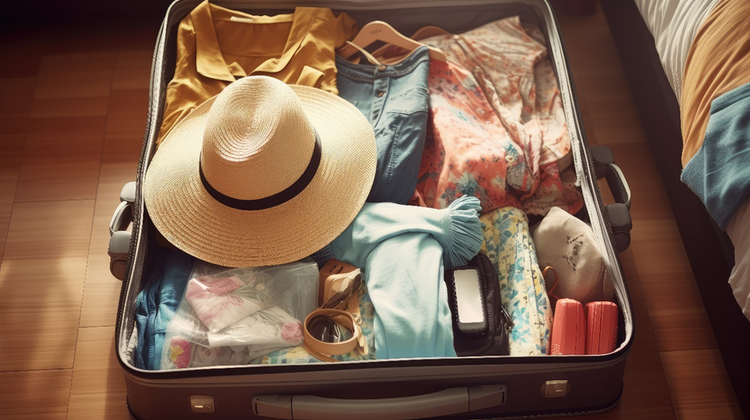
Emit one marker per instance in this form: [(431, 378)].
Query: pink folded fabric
[(469, 151), (498, 127), (217, 306)]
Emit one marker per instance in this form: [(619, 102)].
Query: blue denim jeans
[(157, 304), (395, 100)]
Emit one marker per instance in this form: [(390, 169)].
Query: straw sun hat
[(242, 180)]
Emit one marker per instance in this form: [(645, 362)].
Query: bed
[(654, 39)]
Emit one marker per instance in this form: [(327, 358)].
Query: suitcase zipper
[(508, 320), (136, 223)]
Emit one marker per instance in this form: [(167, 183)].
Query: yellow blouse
[(216, 46)]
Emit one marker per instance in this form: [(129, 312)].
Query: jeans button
[(382, 68), (380, 94)]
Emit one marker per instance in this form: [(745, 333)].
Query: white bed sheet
[(739, 279), (673, 24)]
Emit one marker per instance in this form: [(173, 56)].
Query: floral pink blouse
[(498, 128), (470, 151)]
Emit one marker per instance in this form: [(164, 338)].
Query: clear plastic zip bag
[(234, 316)]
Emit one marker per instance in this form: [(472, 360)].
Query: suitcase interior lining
[(406, 19)]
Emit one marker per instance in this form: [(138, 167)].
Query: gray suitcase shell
[(470, 387)]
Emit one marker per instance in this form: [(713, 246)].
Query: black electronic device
[(470, 313)]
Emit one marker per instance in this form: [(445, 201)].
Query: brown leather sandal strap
[(318, 354)]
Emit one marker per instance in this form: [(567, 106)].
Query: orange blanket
[(719, 61)]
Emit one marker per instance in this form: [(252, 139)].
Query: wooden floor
[(72, 117)]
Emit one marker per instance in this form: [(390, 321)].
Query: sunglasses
[(330, 330)]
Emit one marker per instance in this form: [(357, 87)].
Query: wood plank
[(697, 377), (597, 71), (111, 35), (18, 97), (13, 125), (24, 43), (616, 121), (113, 177), (589, 45), (98, 386), (17, 94), (133, 69), (49, 230), (70, 107), (125, 122), (583, 106), (40, 304), (102, 289), (101, 294), (660, 249), (11, 150), (126, 125), (75, 75), (677, 312), (642, 175), (61, 159), (35, 394), (7, 193), (644, 351), (708, 411), (136, 34), (643, 397)]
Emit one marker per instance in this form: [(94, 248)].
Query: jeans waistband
[(370, 72)]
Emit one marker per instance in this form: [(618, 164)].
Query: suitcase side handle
[(119, 240), (441, 403), (619, 212), (123, 214), (605, 167)]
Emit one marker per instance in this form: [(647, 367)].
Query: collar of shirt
[(209, 58)]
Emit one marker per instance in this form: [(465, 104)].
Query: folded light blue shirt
[(719, 174), (403, 251)]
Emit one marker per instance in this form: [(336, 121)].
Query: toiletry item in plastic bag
[(222, 301), (234, 316)]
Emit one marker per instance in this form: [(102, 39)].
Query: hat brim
[(193, 221)]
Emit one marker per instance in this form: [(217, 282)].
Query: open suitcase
[(467, 387)]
